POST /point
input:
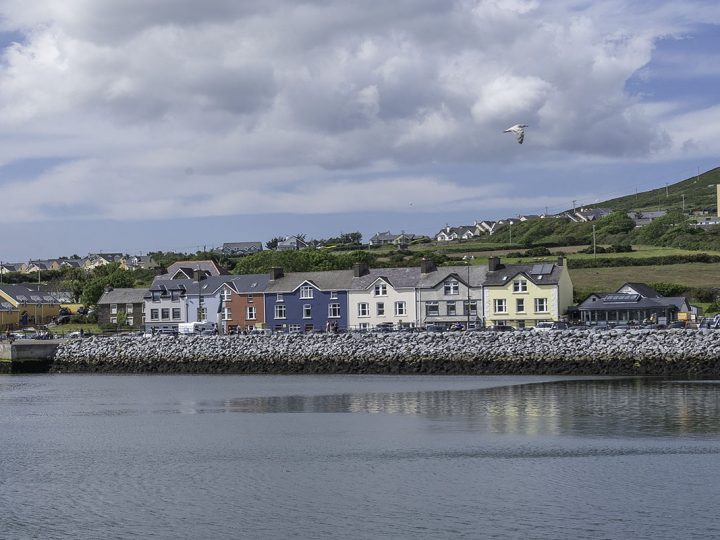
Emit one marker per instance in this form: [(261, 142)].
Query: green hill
[(699, 193)]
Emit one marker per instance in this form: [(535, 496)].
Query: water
[(357, 457)]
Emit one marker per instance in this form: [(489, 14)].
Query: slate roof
[(240, 248), (432, 279), (510, 271), (399, 278), (30, 294), (206, 266), (251, 283), (642, 289), (385, 236), (123, 296), (614, 302), (209, 285), (336, 280)]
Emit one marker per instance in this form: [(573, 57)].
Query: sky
[(177, 125)]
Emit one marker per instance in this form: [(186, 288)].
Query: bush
[(669, 289)]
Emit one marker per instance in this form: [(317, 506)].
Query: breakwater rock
[(635, 352)]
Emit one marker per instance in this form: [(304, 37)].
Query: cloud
[(277, 106)]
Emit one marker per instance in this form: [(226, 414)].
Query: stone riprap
[(634, 352)]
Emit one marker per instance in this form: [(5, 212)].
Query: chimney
[(275, 273), (493, 263), (360, 269), (108, 288), (427, 266), (561, 261)]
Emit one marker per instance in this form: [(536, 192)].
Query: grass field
[(610, 279)]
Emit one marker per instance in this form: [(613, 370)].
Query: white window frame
[(400, 308), (306, 292), (251, 313), (280, 308), (334, 311), (333, 295), (434, 304), (520, 305), (226, 314), (520, 286), (226, 295), (450, 304), (128, 308), (380, 309), (279, 298), (155, 314), (538, 301), (113, 309), (380, 289), (499, 305), (363, 309), (174, 311), (130, 321), (451, 288), (307, 311)]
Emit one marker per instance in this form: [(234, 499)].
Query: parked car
[(502, 328), (456, 327), (543, 326), (677, 324)]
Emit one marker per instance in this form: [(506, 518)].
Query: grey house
[(235, 249), (122, 305)]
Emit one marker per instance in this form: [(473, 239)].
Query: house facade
[(122, 307), (382, 296), (28, 305), (632, 303), (522, 295), (450, 295), (307, 301), (243, 306)]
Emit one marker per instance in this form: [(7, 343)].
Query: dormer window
[(520, 285), (452, 287), (306, 292)]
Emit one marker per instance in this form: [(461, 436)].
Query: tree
[(273, 243)]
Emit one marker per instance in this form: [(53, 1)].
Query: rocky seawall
[(680, 353)]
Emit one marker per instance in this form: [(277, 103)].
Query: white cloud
[(279, 106)]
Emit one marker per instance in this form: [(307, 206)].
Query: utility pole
[(594, 244), (510, 222)]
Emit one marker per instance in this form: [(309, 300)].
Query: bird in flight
[(518, 130)]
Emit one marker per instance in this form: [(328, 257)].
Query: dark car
[(62, 319), (456, 327), (677, 324), (502, 328)]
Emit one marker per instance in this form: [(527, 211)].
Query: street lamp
[(594, 245)]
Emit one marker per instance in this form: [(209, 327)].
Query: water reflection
[(622, 408)]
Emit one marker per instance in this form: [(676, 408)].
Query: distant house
[(145, 262), (382, 238), (584, 215), (485, 226), (405, 238), (462, 232), (6, 268), (234, 249), (644, 218), (29, 304), (291, 243), (244, 307), (633, 302), (118, 305)]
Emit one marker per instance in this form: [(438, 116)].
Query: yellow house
[(522, 295), (26, 305)]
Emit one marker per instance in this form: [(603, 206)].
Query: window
[(432, 309), (541, 305), (306, 292), (226, 295), (280, 311), (128, 308), (334, 311), (380, 306), (520, 285), (333, 295), (500, 305), (113, 309), (113, 320), (279, 298), (307, 311), (364, 326), (250, 313), (381, 289), (250, 298), (363, 309), (201, 314), (165, 314), (154, 314), (176, 313), (156, 296), (226, 314), (452, 287), (130, 321), (470, 307), (451, 308), (520, 305), (175, 296), (400, 309), (295, 328)]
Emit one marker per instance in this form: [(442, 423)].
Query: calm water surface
[(358, 457)]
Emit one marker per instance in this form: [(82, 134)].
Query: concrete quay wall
[(681, 353)]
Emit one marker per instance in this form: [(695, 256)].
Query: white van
[(196, 328)]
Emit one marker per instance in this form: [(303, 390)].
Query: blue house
[(307, 301)]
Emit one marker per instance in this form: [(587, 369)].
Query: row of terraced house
[(363, 298)]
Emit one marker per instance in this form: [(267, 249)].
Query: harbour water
[(358, 457)]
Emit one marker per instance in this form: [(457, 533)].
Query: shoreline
[(680, 353)]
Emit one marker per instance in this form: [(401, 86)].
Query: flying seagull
[(518, 130)]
